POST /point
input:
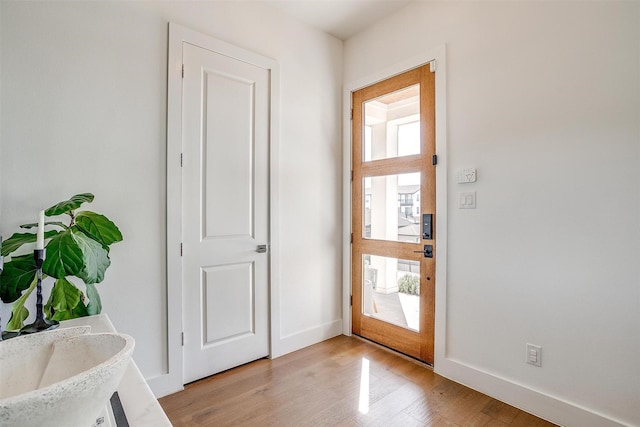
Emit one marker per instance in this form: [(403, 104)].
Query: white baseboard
[(305, 338), (164, 385), (540, 404)]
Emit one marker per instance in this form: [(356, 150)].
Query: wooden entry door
[(393, 260), (225, 205)]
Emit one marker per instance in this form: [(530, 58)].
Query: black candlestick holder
[(9, 334), (41, 324)]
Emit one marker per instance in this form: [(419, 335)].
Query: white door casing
[(225, 211), (173, 379)]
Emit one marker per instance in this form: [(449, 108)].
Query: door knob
[(262, 249)]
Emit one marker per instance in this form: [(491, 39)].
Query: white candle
[(40, 235)]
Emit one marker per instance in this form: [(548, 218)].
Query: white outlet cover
[(467, 200), (467, 175)]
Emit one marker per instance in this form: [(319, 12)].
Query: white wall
[(0, 116), (543, 99), (84, 109)]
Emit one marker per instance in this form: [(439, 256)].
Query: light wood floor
[(321, 386)]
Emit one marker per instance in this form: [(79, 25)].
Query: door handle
[(427, 251), (262, 249)]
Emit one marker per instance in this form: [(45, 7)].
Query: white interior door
[(225, 212)]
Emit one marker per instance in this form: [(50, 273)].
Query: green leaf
[(65, 301), (69, 205), (73, 253), (16, 241), (18, 313), (63, 256), (79, 310), (96, 257), (98, 227), (95, 305), (16, 277), (35, 224)]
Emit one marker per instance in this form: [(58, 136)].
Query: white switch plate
[(534, 355), (467, 175), (467, 200)]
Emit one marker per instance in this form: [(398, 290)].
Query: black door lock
[(427, 251), (427, 226)]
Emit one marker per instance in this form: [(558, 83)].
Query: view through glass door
[(393, 188)]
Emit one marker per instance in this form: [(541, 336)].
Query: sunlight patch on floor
[(363, 403)]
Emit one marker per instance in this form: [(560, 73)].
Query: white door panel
[(223, 324), (225, 212), (228, 121)]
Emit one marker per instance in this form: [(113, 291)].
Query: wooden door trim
[(172, 380)]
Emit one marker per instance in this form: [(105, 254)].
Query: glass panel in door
[(392, 125), (391, 290), (391, 207)]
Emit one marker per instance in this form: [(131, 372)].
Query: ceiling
[(340, 18)]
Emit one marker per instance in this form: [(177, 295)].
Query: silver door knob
[(261, 249)]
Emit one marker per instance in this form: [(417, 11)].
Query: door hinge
[(180, 249), (351, 237), (180, 159), (351, 300), (182, 338), (352, 114), (352, 175), (433, 66), (434, 159), (183, 71)]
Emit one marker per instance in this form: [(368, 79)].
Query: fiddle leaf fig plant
[(78, 247)]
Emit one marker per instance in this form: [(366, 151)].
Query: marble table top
[(140, 405)]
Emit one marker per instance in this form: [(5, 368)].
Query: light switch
[(467, 200)]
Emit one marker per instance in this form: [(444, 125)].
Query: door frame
[(437, 58), (173, 380)]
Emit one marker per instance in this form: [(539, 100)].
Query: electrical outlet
[(534, 355)]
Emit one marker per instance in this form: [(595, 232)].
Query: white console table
[(140, 405)]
